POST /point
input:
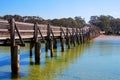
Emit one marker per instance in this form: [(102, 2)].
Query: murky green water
[(96, 60)]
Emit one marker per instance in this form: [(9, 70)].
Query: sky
[(50, 9)]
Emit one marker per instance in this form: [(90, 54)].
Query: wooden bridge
[(15, 34)]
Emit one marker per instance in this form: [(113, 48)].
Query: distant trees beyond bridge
[(108, 23), (71, 22)]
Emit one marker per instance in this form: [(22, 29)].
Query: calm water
[(95, 60)]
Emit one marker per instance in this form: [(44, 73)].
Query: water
[(96, 60)]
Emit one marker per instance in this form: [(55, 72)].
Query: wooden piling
[(73, 37), (51, 47), (77, 36), (31, 47), (80, 35), (49, 42), (37, 52), (54, 40), (61, 39), (15, 60), (37, 44), (67, 38), (15, 50)]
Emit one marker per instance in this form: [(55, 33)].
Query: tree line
[(66, 22), (106, 23)]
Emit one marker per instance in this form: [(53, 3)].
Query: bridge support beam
[(83, 37), (15, 62), (31, 47), (51, 47), (37, 52), (61, 39), (15, 49), (49, 41), (37, 45), (77, 36), (67, 38), (73, 37)]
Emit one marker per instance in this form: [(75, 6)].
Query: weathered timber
[(49, 40), (14, 49), (37, 44), (61, 39), (37, 52), (31, 47), (54, 40), (77, 36), (80, 35), (67, 38), (73, 37), (15, 60)]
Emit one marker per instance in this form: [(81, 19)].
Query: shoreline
[(108, 37)]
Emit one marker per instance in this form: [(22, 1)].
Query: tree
[(18, 18), (103, 22), (80, 22), (7, 17), (32, 19)]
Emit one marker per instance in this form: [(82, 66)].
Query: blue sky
[(49, 9)]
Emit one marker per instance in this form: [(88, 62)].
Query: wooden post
[(61, 40), (31, 47), (87, 34), (77, 36), (67, 38), (35, 33), (15, 60), (73, 37), (54, 40), (49, 40), (82, 35), (51, 47), (14, 49), (37, 44), (37, 52)]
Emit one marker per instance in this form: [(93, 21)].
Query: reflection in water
[(55, 66), (49, 67)]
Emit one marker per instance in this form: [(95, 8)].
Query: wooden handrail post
[(61, 39), (77, 36), (54, 40), (73, 37), (67, 38), (15, 50), (49, 41), (37, 44)]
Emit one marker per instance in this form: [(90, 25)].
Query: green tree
[(18, 18), (103, 22), (79, 21)]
